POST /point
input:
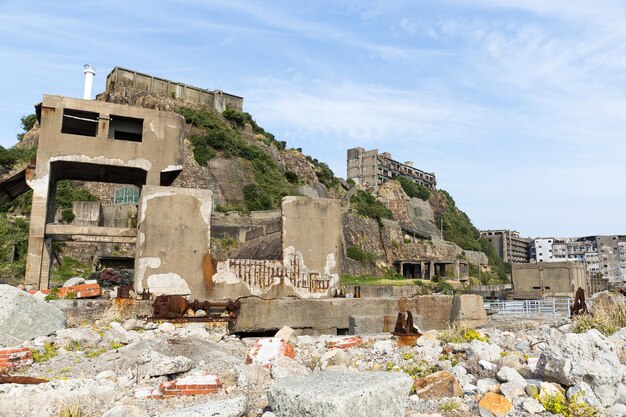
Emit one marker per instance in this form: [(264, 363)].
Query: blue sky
[(518, 106)]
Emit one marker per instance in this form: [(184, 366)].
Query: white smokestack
[(90, 72)]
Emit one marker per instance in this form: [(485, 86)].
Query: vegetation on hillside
[(27, 123), (324, 174), (365, 204), (219, 137), (413, 189), (458, 228)]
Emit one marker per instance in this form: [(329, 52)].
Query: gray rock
[(74, 281), (345, 394), (485, 351), (117, 334), (82, 336), (157, 364), (385, 347), (618, 410), (228, 407), (133, 324), (533, 406), (125, 411), (588, 357), (167, 327), (44, 400), (36, 318), (109, 374), (506, 374), (584, 393), (487, 384)]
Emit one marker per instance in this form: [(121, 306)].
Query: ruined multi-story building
[(370, 169), (509, 245)]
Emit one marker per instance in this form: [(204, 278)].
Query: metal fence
[(551, 307)]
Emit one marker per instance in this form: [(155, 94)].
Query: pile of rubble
[(142, 368)]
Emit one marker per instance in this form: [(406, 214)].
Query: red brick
[(13, 358), (344, 342)]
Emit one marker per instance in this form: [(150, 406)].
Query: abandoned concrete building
[(370, 169), (215, 99), (548, 279), (509, 245), (297, 253)]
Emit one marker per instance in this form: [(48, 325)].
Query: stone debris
[(141, 368), (438, 385), (340, 394), (36, 318), (494, 405)]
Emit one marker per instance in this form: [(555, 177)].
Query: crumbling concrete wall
[(313, 227), (174, 235)]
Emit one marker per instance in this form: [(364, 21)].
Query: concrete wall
[(548, 279), (173, 237), (329, 315), (314, 228)]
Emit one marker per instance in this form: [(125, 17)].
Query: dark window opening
[(79, 122), (126, 128)]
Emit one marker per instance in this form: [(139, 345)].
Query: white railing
[(551, 307)]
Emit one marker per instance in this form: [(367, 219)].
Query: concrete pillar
[(37, 229), (422, 270), (457, 271), (431, 267)]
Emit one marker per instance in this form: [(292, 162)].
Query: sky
[(517, 106)]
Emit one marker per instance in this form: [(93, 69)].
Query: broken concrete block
[(227, 407), (366, 324), (341, 394), (36, 318), (438, 385), (284, 366), (494, 405), (287, 334), (77, 336), (264, 351)]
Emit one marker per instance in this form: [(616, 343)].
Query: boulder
[(227, 407), (487, 384), (494, 405), (514, 384), (117, 334), (157, 364), (166, 327), (485, 351), (45, 400), (532, 406), (588, 357), (341, 394), (583, 392), (22, 317), (438, 385)]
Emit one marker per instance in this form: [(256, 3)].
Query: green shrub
[(459, 334), (366, 205), (358, 254), (13, 156), (413, 189), (255, 199), (70, 268), (292, 177), (27, 123), (49, 352), (67, 215)]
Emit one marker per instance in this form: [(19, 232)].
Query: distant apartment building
[(370, 169), (509, 245), (541, 249), (604, 257)]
